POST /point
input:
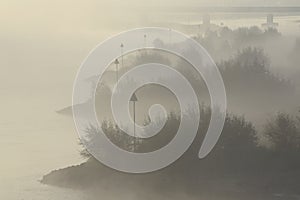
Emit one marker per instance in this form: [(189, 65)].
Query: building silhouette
[(270, 24)]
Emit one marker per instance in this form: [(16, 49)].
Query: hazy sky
[(44, 15)]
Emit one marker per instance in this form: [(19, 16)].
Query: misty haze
[(254, 44)]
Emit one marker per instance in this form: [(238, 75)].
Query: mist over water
[(40, 57)]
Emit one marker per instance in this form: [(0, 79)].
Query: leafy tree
[(283, 133)]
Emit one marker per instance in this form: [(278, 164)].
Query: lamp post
[(134, 99), (122, 46), (117, 68), (145, 41)]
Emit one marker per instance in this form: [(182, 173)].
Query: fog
[(43, 44)]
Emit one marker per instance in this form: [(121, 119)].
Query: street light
[(122, 45), (134, 99), (117, 68), (145, 41)]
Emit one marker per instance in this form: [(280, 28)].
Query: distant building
[(198, 29), (270, 23)]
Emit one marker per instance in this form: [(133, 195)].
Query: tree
[(283, 133)]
